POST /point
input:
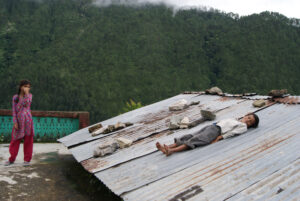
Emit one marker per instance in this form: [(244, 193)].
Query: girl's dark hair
[(22, 83)]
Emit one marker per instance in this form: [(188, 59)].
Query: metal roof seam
[(264, 181), (118, 164)]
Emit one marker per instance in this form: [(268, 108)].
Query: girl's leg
[(28, 147), (14, 149), (169, 151)]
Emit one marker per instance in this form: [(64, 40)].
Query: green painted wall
[(46, 129)]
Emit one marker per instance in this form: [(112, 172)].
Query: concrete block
[(278, 93), (214, 91), (123, 142), (128, 124), (95, 127), (175, 122), (184, 123), (100, 131), (208, 115), (259, 103), (119, 126), (105, 149), (179, 105)]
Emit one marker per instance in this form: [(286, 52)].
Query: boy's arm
[(239, 129), (220, 137)]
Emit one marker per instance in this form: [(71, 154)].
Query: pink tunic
[(22, 116)]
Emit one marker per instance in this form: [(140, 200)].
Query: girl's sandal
[(8, 163)]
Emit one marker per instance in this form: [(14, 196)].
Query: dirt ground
[(53, 175)]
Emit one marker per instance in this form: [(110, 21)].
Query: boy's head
[(251, 120)]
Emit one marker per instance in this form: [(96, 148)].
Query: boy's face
[(249, 120)]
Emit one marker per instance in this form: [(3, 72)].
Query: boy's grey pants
[(202, 137)]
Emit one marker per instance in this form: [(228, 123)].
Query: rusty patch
[(165, 114), (151, 118), (153, 136), (287, 100), (268, 103), (94, 163), (91, 164), (237, 95), (259, 149), (249, 94), (250, 152), (158, 135), (224, 98), (279, 190), (194, 92), (187, 193)]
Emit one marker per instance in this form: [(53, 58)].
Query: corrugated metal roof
[(288, 100), (147, 145), (257, 97), (135, 117), (262, 164), (219, 169), (147, 127)]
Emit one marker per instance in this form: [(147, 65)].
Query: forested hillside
[(82, 57)]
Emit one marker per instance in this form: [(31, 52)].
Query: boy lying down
[(210, 134)]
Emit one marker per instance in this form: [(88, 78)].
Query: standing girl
[(23, 124)]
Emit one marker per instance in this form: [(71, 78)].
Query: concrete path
[(53, 175)]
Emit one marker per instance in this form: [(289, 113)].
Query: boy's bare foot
[(168, 151), (160, 148)]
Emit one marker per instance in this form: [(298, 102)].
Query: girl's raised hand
[(26, 90), (16, 126)]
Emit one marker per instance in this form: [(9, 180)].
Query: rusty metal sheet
[(249, 167), (288, 100), (279, 185), (134, 116), (154, 120), (257, 97), (224, 169), (194, 92), (231, 95), (242, 174), (249, 94), (155, 123), (145, 170), (224, 179), (147, 145)]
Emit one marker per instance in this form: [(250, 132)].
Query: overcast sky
[(289, 8)]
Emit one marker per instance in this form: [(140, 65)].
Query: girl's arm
[(26, 100), (14, 104)]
